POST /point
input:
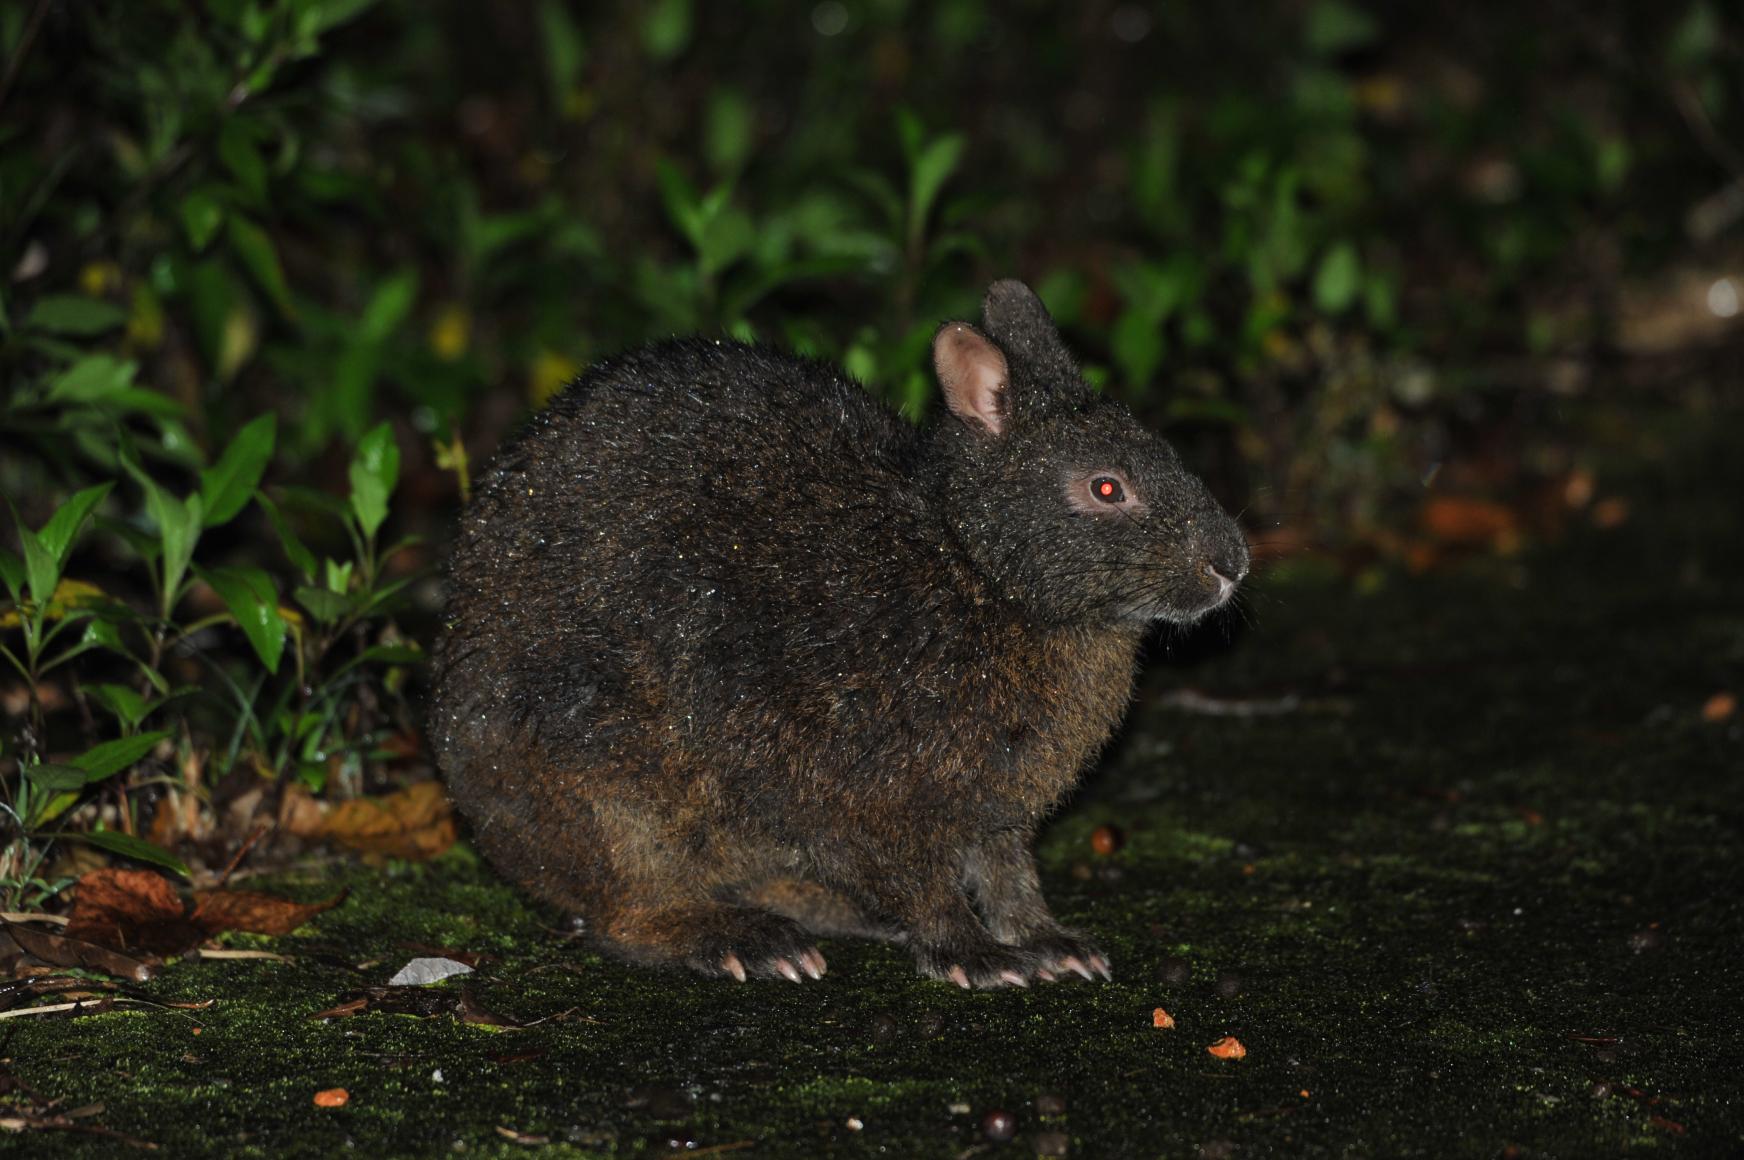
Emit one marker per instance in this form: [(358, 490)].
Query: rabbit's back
[(702, 530)]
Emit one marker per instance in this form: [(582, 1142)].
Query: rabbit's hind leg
[(672, 898), (819, 909), (721, 939)]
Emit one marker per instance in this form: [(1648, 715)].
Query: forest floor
[(1454, 857)]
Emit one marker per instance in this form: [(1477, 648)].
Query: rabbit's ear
[(1019, 323), (974, 376)]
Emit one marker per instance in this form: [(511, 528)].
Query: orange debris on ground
[(1719, 707), (1229, 1047), (332, 1098), (1162, 1019)]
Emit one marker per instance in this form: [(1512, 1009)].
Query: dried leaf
[(219, 910), (1162, 1020), (137, 910), (131, 910), (332, 1098), (65, 951), (416, 822)]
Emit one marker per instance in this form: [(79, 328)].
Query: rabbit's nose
[(1215, 580)]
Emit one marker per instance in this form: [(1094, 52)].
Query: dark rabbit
[(735, 657)]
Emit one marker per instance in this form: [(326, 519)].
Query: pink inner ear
[(973, 374)]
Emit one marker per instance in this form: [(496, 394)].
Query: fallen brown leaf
[(219, 910), (66, 951), (416, 822), (131, 910), (137, 916), (1162, 1020)]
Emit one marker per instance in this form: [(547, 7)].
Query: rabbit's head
[(1062, 499)]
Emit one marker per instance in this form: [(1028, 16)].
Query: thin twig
[(25, 916)]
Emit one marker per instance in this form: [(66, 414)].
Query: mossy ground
[(1476, 895)]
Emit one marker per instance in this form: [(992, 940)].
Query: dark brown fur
[(735, 657)]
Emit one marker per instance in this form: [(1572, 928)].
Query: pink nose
[(1224, 584)]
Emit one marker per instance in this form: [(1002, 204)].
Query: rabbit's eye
[(1107, 489)]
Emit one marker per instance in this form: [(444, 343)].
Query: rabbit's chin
[(1159, 613)]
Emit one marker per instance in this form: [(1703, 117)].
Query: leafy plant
[(298, 703)]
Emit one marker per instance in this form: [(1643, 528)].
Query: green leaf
[(683, 206), (93, 379), (730, 129), (240, 155), (328, 14), (298, 554), (102, 633), (112, 757), (1338, 280), (178, 528), (226, 486), (41, 571), (55, 778), (933, 166), (339, 575), (12, 574), (388, 307), (564, 50), (323, 604), (1334, 27), (130, 847), (74, 314), (254, 248), (127, 706), (1694, 39), (62, 529), (666, 28), (375, 469), (727, 237), (202, 217), (252, 598), (1138, 348)]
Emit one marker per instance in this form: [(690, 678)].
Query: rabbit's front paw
[(990, 965), (1061, 951)]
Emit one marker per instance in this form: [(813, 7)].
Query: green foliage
[(289, 705)]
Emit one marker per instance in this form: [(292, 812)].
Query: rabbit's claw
[(1065, 953), (760, 947), (995, 966)]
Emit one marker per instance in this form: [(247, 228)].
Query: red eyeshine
[(1107, 487)]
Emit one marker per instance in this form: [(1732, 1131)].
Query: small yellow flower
[(98, 279), (451, 332), (550, 373)]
